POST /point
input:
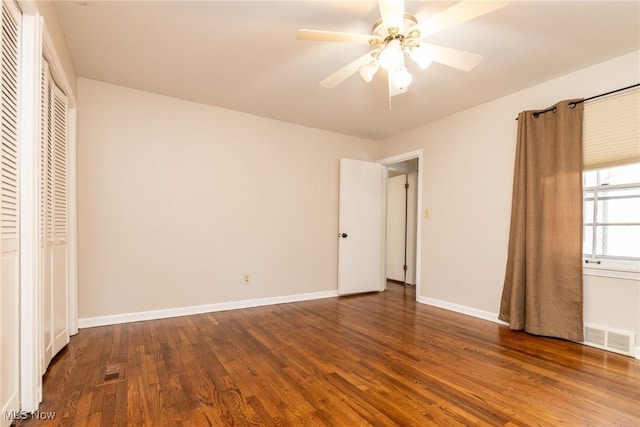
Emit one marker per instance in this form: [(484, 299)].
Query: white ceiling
[(242, 55)]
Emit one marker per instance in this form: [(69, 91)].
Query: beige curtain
[(543, 282)]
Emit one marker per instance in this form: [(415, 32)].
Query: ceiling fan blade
[(392, 13), (455, 58), (461, 12), (341, 75), (332, 36)]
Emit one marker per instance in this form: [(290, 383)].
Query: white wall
[(177, 201), (467, 183)]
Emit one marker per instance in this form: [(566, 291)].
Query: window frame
[(607, 266)]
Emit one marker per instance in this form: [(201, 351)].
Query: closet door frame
[(37, 43)]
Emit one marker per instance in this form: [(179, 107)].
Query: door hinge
[(406, 186), (404, 267)]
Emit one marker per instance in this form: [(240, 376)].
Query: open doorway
[(402, 181), (402, 248)]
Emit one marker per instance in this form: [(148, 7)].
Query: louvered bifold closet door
[(46, 213), (60, 220), (53, 215), (9, 201)]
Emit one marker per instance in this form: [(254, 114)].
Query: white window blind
[(9, 121), (612, 130)]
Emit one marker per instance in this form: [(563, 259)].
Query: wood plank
[(374, 359)]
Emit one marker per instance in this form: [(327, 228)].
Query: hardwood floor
[(375, 359)]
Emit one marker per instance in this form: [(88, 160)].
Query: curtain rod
[(573, 104)]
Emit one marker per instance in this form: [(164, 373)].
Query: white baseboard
[(486, 315), (90, 322), (10, 410), (462, 309)]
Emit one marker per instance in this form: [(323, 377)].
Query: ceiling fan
[(398, 34)]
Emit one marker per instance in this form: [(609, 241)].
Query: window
[(611, 137), (612, 218)]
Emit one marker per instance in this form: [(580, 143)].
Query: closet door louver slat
[(59, 111), (45, 153), (9, 127)]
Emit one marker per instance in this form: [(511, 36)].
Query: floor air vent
[(609, 339), (112, 374)]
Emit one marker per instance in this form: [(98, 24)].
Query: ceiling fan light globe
[(402, 78), (422, 55), (392, 57), (367, 71), (423, 65)]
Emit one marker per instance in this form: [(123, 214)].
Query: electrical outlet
[(247, 278)]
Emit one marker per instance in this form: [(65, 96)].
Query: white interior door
[(10, 21), (54, 218), (60, 222), (46, 217), (412, 198), (361, 227), (396, 217)]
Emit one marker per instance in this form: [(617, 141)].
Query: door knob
[(344, 235)]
